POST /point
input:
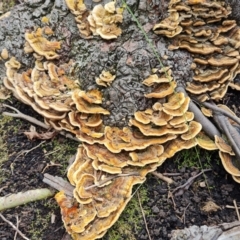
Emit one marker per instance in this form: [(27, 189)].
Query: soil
[(42, 219)]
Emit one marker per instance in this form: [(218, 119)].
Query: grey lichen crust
[(129, 57), (224, 231)]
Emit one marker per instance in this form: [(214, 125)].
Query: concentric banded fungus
[(100, 21), (86, 107), (205, 142), (99, 209), (213, 47), (117, 158), (227, 162), (41, 45), (112, 160), (103, 21), (105, 79)]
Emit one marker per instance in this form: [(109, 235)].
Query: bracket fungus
[(105, 79), (214, 48), (102, 20), (110, 159), (41, 45), (215, 52)]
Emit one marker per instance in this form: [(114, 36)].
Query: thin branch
[(16, 233), (215, 108), (184, 214), (51, 164), (33, 120), (172, 174), (100, 183), (180, 190), (144, 218), (25, 152), (21, 115), (207, 126), (16, 199), (230, 132), (236, 208), (14, 227), (160, 176), (231, 207), (59, 184)]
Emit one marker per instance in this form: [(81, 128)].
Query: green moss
[(60, 152), (41, 221), (131, 220), (4, 128), (7, 5), (194, 157)]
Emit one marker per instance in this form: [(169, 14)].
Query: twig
[(14, 227), (215, 108), (160, 176), (207, 126), (180, 190), (184, 214), (49, 153), (21, 115), (51, 164), (231, 132), (236, 208), (16, 199), (172, 174), (22, 152), (16, 233), (59, 184), (144, 218), (100, 183), (33, 120), (170, 195), (231, 207)]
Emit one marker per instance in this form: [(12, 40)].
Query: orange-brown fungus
[(41, 45), (102, 20), (215, 48), (105, 79), (112, 160)]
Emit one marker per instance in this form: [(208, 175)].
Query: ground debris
[(180, 190), (223, 231), (58, 183)]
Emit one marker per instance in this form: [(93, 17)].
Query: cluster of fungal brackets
[(111, 160)]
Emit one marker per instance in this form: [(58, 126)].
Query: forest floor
[(203, 203)]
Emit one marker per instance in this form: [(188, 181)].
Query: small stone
[(202, 184), (155, 209)]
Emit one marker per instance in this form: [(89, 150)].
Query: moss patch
[(131, 220), (5, 127), (194, 157), (6, 5), (59, 151)]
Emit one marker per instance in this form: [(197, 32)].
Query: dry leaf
[(210, 206), (34, 134)]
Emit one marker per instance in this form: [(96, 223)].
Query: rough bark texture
[(129, 57)]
